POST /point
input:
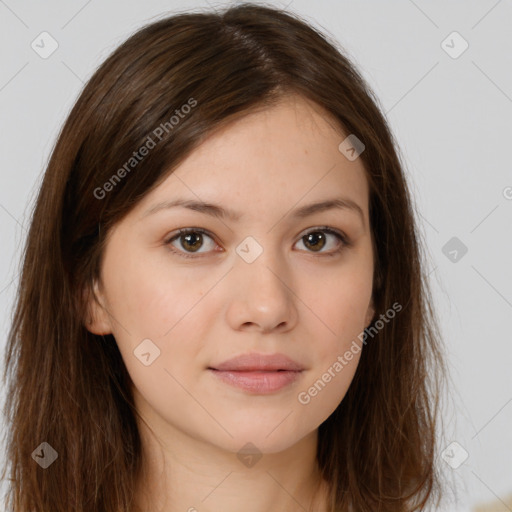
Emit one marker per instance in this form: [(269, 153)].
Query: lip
[(259, 362), (258, 373)]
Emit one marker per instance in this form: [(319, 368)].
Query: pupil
[(315, 237), (195, 246)]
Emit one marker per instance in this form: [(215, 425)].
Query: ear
[(96, 319), (370, 313)]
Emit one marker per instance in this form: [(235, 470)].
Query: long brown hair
[(70, 388)]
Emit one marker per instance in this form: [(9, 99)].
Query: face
[(273, 278)]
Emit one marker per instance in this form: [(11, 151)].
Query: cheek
[(336, 325), (161, 350), (338, 309), (151, 300), (166, 308), (326, 389)]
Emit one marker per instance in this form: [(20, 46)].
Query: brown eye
[(190, 241), (316, 240)]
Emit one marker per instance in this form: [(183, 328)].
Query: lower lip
[(258, 381)]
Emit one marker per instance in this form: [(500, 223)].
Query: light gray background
[(452, 118)]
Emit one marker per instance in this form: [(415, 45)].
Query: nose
[(261, 296)]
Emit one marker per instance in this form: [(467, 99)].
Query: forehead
[(266, 161)]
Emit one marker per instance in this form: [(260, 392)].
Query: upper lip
[(255, 362)]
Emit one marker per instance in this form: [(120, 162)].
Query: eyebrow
[(221, 212)]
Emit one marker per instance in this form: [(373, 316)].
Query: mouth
[(257, 381), (258, 373)]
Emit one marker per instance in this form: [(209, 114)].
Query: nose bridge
[(263, 264), (263, 293)]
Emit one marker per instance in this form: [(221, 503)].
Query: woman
[(223, 302)]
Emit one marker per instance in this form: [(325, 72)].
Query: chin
[(261, 438)]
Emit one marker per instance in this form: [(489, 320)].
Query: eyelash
[(345, 242)]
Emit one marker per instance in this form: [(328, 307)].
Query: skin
[(203, 310)]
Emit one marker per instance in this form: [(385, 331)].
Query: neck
[(189, 475)]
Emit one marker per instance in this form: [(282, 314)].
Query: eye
[(192, 239), (316, 239)]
